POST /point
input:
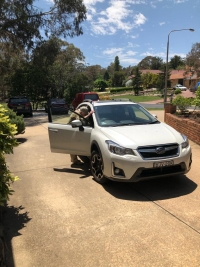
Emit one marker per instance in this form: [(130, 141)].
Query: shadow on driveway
[(14, 219), (21, 140), (152, 190), (84, 171)]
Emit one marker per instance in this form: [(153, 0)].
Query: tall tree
[(151, 63), (94, 72), (117, 66), (193, 58), (137, 81), (176, 62), (21, 21), (118, 78), (54, 65), (106, 76)]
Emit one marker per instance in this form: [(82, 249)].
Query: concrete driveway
[(59, 216)]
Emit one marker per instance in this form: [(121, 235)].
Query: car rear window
[(60, 101), (19, 100), (91, 96)]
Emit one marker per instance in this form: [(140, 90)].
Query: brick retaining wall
[(185, 126)]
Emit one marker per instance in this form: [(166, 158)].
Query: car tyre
[(97, 166)]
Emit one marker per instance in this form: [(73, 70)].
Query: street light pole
[(166, 73)]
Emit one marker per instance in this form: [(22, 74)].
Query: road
[(59, 216)]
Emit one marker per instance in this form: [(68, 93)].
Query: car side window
[(60, 118), (88, 122)]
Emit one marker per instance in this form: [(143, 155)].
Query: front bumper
[(134, 170)]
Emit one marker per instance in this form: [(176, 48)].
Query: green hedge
[(120, 89), (15, 119), (7, 143)]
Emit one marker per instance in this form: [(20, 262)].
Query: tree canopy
[(193, 58), (151, 63), (21, 21), (176, 62)]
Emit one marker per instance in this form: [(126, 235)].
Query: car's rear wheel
[(97, 166)]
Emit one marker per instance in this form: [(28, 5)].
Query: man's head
[(83, 111)]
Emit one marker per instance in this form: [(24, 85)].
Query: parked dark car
[(57, 106), (21, 105)]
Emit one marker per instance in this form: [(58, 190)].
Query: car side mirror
[(76, 123)]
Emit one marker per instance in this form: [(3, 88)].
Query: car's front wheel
[(96, 166)]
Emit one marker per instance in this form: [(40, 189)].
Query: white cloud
[(112, 51), (125, 56), (159, 54), (130, 61), (91, 11), (118, 16), (139, 19), (130, 53), (134, 36), (180, 1), (162, 23)]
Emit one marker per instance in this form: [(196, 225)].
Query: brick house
[(187, 79)]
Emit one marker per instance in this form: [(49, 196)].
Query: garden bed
[(188, 124)]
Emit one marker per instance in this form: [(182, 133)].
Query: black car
[(21, 105), (57, 106)]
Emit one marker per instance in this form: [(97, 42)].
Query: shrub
[(177, 91), (7, 143), (104, 97), (196, 101), (120, 89), (182, 103), (15, 119)]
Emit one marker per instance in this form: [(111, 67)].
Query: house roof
[(182, 74), (174, 74)]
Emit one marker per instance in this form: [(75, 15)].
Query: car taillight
[(27, 104), (10, 105), (65, 106)]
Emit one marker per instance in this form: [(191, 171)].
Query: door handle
[(53, 130)]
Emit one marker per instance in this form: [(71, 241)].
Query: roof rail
[(87, 100), (122, 99)]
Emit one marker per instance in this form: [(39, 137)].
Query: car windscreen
[(57, 101), (122, 115), (91, 96), (19, 100)]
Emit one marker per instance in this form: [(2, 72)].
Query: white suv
[(124, 142)]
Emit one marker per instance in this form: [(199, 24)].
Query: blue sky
[(134, 29)]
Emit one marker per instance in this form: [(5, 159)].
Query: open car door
[(64, 138)]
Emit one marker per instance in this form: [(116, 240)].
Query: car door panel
[(68, 140)]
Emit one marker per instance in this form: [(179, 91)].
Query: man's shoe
[(78, 162)]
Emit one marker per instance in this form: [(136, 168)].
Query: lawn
[(139, 98)]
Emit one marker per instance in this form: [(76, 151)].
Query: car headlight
[(186, 141), (119, 150)]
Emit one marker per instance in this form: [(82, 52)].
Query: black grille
[(162, 171), (159, 151)]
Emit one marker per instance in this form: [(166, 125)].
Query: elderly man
[(84, 114)]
